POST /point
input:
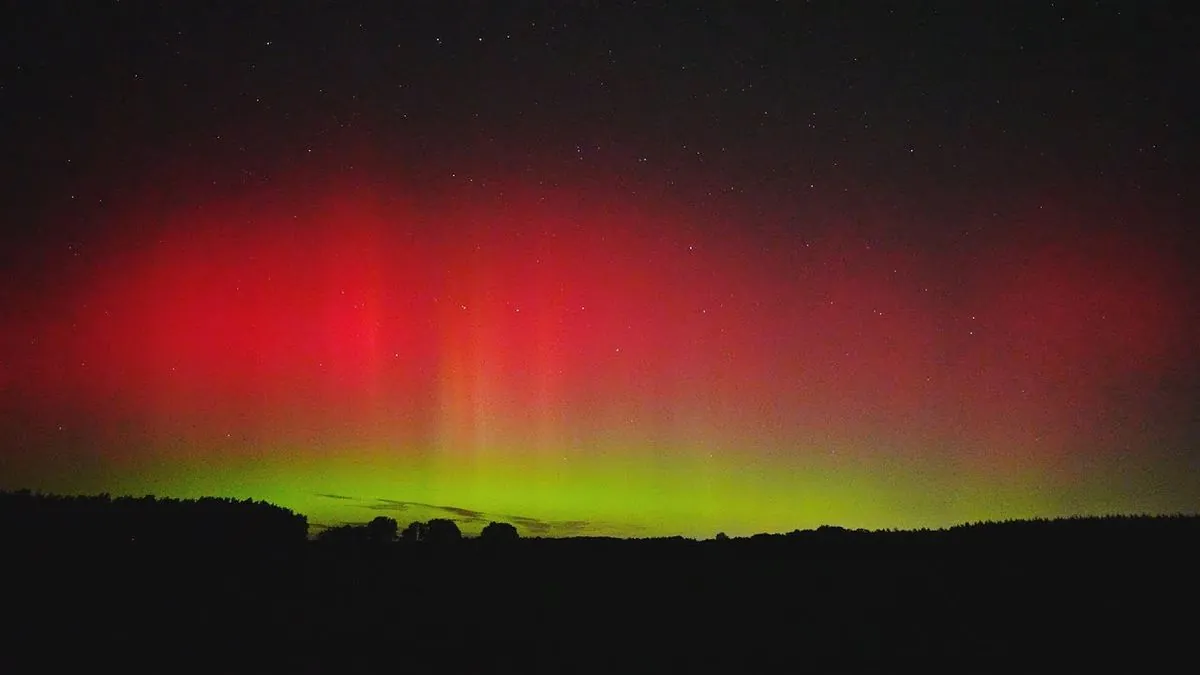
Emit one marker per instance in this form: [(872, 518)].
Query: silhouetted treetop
[(383, 529), (499, 532), (415, 532), (443, 530), (437, 531)]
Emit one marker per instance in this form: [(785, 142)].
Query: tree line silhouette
[(383, 530), (34, 518), (254, 592), (30, 518)]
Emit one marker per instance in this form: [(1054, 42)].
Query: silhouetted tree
[(382, 529), (416, 531), (721, 536), (499, 532), (443, 530), (341, 535)]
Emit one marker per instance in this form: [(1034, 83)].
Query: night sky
[(629, 268)]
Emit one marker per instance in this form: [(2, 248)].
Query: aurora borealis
[(476, 283)]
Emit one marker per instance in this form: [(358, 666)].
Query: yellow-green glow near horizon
[(619, 494)]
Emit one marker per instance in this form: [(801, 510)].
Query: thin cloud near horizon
[(473, 517)]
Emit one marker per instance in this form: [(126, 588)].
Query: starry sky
[(621, 268)]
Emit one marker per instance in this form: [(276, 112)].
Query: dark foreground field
[(1056, 596)]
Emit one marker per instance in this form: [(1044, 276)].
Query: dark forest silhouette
[(27, 517), (221, 585)]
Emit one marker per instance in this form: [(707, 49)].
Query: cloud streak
[(473, 519)]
